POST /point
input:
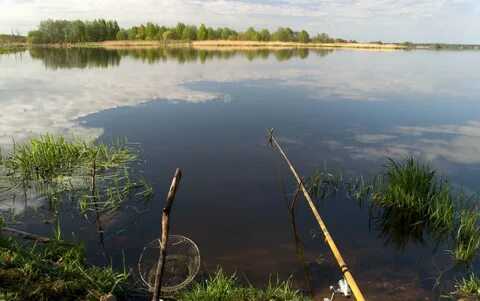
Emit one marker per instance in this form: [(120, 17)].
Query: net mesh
[(181, 264)]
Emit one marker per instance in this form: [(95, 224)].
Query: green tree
[(140, 33), (251, 35), (179, 30), (36, 37), (168, 35), (112, 29), (132, 33), (227, 34), (212, 34), (303, 37), (265, 35), (189, 33), (151, 31), (323, 38), (202, 33), (283, 34), (122, 35)]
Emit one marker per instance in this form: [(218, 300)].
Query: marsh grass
[(222, 287), (54, 271), (408, 200), (467, 236), (468, 287), (49, 157), (414, 187), (97, 175), (323, 183)]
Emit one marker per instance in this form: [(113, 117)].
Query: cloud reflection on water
[(53, 89), (454, 143)]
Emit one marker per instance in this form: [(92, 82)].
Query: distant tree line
[(63, 31)]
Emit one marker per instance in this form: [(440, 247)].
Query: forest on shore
[(100, 30)]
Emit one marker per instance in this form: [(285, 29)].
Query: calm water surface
[(207, 112)]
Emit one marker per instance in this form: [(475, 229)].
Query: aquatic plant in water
[(414, 187), (94, 175), (48, 158), (97, 174), (322, 183), (468, 287), (467, 236)]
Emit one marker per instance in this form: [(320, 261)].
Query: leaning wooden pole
[(164, 240), (357, 293)]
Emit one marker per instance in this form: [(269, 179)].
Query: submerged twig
[(29, 236)]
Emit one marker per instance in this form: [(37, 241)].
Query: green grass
[(322, 183), (54, 271), (468, 287), (222, 287), (412, 186), (97, 174), (49, 157), (467, 238), (407, 200)]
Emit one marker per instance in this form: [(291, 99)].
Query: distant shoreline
[(240, 45), (249, 45)]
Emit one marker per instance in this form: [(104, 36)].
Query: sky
[(451, 21)]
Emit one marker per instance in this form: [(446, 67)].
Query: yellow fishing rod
[(357, 293)]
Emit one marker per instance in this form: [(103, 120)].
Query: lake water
[(207, 112)]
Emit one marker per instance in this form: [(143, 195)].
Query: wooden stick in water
[(328, 238), (164, 240), (30, 236)]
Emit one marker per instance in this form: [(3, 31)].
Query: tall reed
[(413, 186), (467, 238)]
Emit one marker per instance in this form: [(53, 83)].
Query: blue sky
[(455, 21)]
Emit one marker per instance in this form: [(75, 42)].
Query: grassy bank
[(58, 271), (222, 287), (54, 271)]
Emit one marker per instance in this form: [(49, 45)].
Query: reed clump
[(468, 287), (406, 200), (323, 183), (49, 157), (467, 236), (95, 174), (414, 187), (222, 287)]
